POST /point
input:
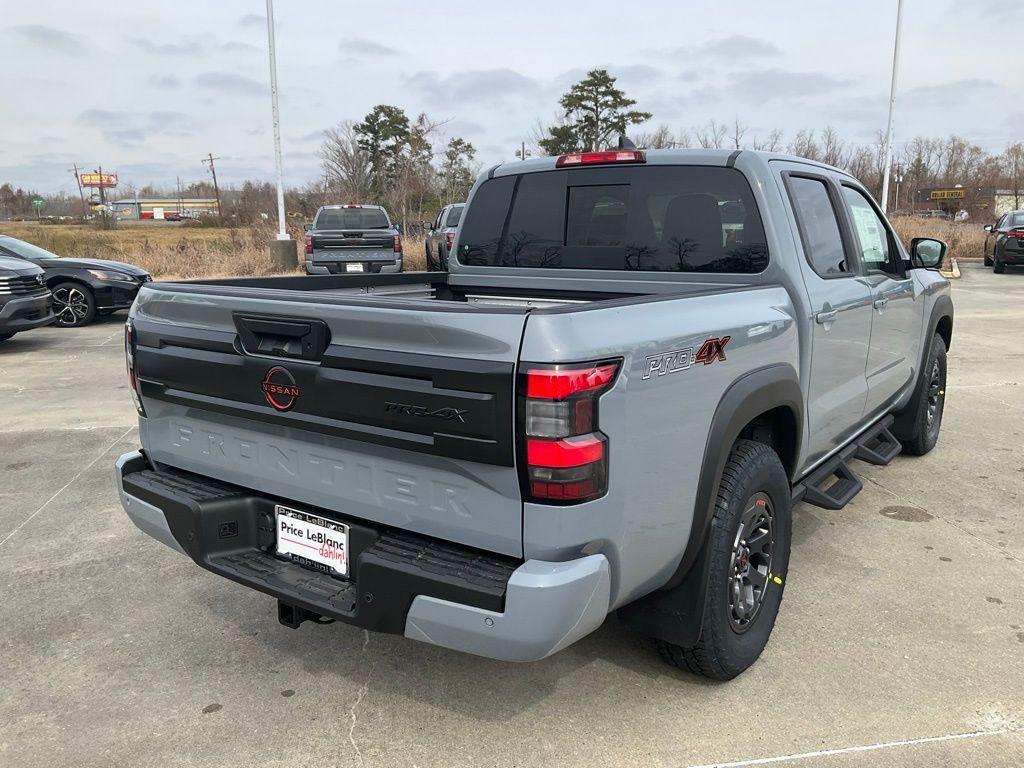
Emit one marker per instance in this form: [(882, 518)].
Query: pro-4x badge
[(710, 351)]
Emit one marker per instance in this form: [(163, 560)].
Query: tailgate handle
[(295, 338)]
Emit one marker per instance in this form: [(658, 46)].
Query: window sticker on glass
[(874, 241)]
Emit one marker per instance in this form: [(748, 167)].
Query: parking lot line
[(862, 748), (68, 484)]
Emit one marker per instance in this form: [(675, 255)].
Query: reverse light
[(129, 359), (601, 158), (565, 456)]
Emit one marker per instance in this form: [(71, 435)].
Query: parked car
[(611, 401), (441, 236), (82, 288), (25, 301), (352, 238), (1004, 241)]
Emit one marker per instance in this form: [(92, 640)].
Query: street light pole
[(892, 106), (282, 252)]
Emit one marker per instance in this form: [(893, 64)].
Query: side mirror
[(927, 253), (307, 226), (989, 227)]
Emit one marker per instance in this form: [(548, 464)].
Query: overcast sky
[(147, 89)]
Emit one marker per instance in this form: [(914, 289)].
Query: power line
[(213, 170)]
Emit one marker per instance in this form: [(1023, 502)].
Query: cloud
[(134, 128), (734, 48), (232, 84), (233, 46), (956, 92), (357, 46), (252, 20), (48, 37), (189, 48), (774, 84), (472, 87), (164, 81)]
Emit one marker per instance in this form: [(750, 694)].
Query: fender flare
[(942, 309), (675, 611)]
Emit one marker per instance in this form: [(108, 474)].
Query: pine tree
[(595, 112)]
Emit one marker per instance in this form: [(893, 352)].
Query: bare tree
[(771, 143), (346, 165), (1013, 168), (711, 135), (738, 131), (661, 138), (833, 150)]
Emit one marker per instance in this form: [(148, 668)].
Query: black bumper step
[(231, 531)]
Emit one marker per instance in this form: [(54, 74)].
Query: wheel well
[(55, 281), (779, 429), (945, 329)]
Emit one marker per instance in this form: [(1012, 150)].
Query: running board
[(834, 484), (878, 445)]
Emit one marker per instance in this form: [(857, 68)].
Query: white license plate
[(312, 541), (354, 268)]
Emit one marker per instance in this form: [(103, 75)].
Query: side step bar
[(834, 484)]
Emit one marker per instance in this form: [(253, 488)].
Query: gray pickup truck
[(637, 364), (352, 238), (441, 237)]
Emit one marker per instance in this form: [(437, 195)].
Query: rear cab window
[(453, 217), (656, 218), (351, 218)]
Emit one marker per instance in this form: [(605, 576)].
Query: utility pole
[(103, 200), (892, 106), (523, 152), (78, 180), (213, 170), (282, 250)]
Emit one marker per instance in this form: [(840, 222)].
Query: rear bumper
[(23, 313), (115, 294), (424, 588), (321, 267)]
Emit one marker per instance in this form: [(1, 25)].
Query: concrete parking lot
[(903, 619)]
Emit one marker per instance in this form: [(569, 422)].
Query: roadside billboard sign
[(98, 179)]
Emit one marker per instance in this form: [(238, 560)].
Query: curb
[(954, 271)]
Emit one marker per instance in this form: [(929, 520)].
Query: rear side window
[(453, 217), (351, 218), (1014, 220), (647, 218), (819, 228)]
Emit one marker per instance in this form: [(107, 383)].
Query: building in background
[(168, 209)]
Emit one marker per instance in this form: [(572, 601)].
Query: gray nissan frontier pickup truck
[(635, 367)]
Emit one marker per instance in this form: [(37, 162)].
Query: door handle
[(823, 318), (879, 304)]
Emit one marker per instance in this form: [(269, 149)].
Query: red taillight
[(602, 158), (129, 360), (309, 243), (565, 458), (450, 237), (398, 244), (1017, 232)]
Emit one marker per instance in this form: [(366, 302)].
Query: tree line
[(412, 168)]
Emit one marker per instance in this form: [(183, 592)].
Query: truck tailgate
[(397, 415)]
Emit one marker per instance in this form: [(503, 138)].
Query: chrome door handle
[(879, 304), (823, 318)]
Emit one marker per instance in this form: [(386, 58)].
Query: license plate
[(312, 541), (353, 267)]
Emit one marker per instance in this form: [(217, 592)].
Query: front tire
[(73, 304), (926, 421), (5, 336), (987, 260), (749, 546), (997, 266)]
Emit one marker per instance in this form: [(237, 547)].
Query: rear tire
[(927, 421), (749, 546)]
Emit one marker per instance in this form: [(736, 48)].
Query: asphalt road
[(903, 618)]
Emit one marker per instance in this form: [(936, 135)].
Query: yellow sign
[(946, 194), (98, 179)]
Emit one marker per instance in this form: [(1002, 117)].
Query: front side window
[(819, 228), (24, 250), (646, 218), (872, 235)]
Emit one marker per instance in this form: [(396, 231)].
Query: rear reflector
[(601, 158)]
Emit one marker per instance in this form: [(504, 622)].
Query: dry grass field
[(171, 251)]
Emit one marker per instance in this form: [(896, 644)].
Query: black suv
[(82, 288), (24, 298), (1004, 241)]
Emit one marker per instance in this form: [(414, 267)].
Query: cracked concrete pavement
[(903, 619)]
